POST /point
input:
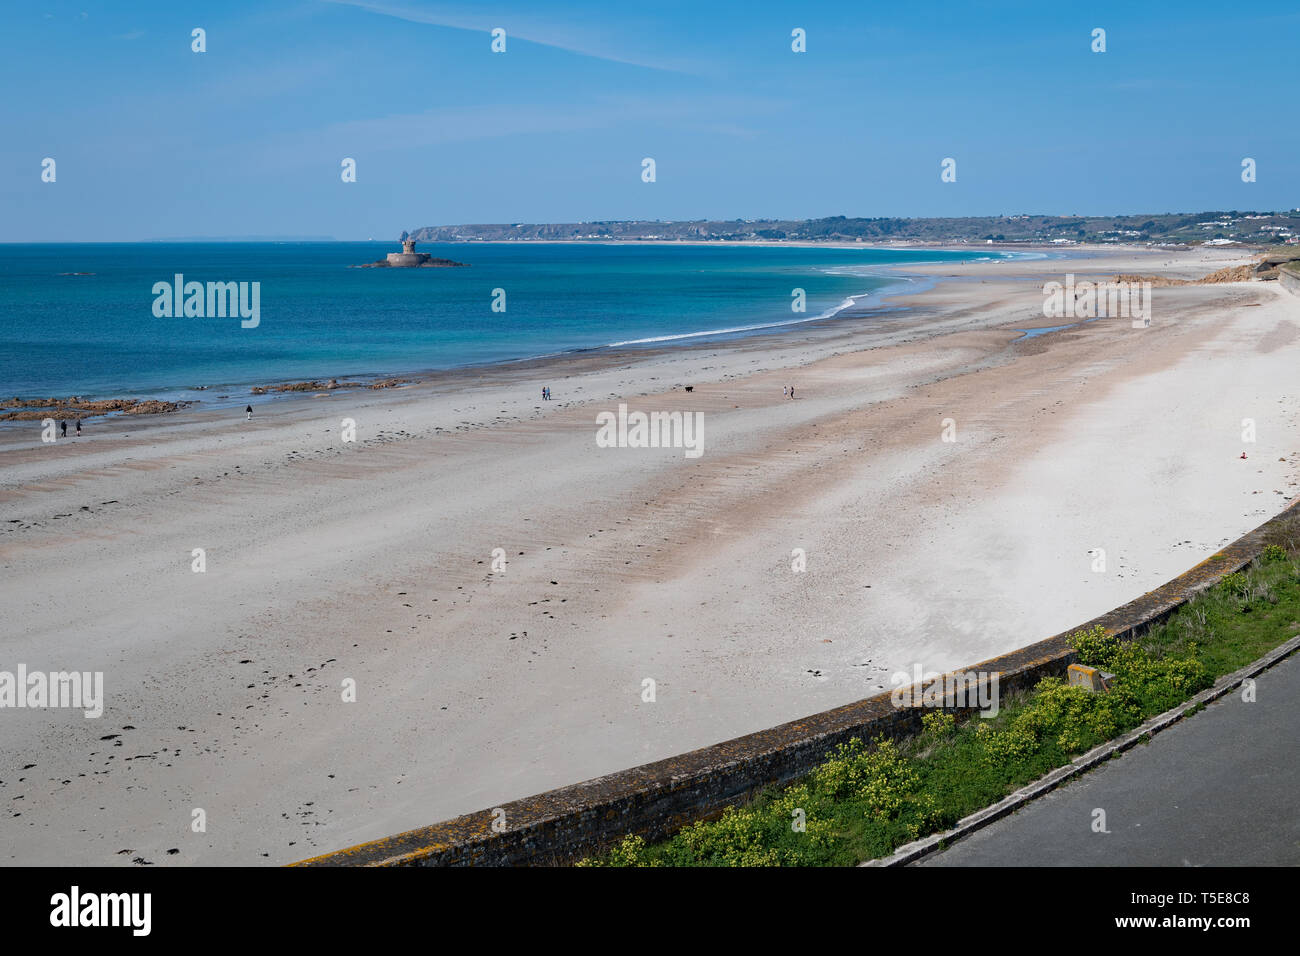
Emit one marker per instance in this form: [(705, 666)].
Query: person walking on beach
[(792, 391), (249, 410), (65, 428), (78, 427), (785, 390)]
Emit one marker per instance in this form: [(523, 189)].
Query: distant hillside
[(1253, 228)]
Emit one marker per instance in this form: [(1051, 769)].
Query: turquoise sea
[(96, 335)]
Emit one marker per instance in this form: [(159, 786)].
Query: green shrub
[(938, 724), (737, 838), (1162, 683), (630, 851), (1071, 718), (882, 782), (1234, 584), (881, 776), (1003, 747), (1096, 647), (1156, 683)]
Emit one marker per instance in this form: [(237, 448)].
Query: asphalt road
[(1221, 788)]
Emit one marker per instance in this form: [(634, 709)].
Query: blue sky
[(153, 140)]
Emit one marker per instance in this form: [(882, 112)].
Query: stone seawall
[(657, 799), (1289, 278)]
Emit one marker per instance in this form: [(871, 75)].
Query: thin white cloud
[(575, 38)]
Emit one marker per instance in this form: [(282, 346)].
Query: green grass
[(865, 800)]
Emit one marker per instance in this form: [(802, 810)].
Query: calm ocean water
[(96, 335)]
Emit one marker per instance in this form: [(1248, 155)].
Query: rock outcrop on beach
[(1265, 269), (74, 407), (318, 386), (312, 386)]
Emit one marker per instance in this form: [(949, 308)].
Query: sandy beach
[(372, 561)]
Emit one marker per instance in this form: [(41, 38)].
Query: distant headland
[(408, 258), (1217, 228)]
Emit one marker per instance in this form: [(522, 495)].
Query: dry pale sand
[(371, 561)]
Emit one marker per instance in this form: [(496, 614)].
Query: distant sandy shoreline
[(235, 395), (497, 586)]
